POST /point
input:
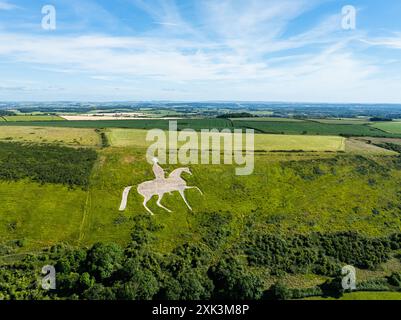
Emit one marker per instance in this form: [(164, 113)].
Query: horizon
[(206, 101)]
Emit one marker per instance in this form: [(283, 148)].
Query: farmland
[(276, 126), (263, 142), (391, 127), (44, 135), (312, 127), (313, 189), (29, 118)]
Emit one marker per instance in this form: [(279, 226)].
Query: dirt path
[(85, 217)]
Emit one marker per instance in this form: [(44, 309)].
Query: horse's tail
[(125, 198)]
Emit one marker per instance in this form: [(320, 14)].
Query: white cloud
[(4, 5), (389, 42)]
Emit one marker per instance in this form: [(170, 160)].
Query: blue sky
[(254, 50)]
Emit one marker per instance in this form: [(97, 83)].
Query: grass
[(360, 146), (273, 119), (70, 136), (390, 127), (265, 142), (295, 204), (32, 118), (44, 220), (283, 189), (313, 128), (300, 205), (196, 124), (364, 296), (343, 121)]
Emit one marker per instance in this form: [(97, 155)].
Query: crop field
[(196, 124), (263, 142), (288, 127), (361, 146), (343, 121), (311, 128), (391, 127), (268, 119), (32, 118), (70, 136)]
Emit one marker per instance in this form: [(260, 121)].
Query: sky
[(201, 50)]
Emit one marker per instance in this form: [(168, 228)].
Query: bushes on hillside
[(46, 163)]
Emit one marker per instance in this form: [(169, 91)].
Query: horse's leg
[(183, 196), (195, 188), (160, 197), (145, 201)]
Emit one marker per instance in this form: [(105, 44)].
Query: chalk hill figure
[(160, 186)]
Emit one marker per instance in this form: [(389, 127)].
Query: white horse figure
[(160, 186)]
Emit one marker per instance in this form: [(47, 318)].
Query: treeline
[(211, 268), (236, 115), (322, 254), (46, 163), (4, 113), (389, 146), (380, 119)]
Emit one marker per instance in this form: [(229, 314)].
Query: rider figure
[(157, 170)]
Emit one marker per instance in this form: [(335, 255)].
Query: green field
[(272, 126), (343, 121), (54, 216), (70, 136), (365, 296), (272, 119), (311, 128), (196, 124), (391, 127), (302, 200), (263, 142), (29, 118)]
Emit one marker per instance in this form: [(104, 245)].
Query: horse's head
[(177, 172), (186, 170)]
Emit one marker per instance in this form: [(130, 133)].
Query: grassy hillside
[(297, 217)]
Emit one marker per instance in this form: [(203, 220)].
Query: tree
[(281, 292), (104, 259), (232, 281)]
